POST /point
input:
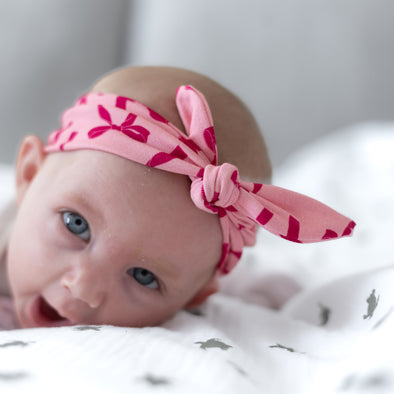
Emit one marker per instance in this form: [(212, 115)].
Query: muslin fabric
[(124, 127)]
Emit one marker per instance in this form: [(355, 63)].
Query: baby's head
[(100, 239), (127, 215)]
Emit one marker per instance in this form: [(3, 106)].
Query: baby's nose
[(86, 284)]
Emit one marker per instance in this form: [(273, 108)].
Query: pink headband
[(127, 128)]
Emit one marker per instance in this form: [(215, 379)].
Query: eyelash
[(138, 271)]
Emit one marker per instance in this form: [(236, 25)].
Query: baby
[(130, 213)]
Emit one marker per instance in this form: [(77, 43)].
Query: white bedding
[(333, 337)]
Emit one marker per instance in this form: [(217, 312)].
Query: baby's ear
[(211, 287), (30, 157)]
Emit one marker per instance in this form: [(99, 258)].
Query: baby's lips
[(42, 314)]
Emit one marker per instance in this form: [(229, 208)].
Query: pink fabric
[(129, 129)]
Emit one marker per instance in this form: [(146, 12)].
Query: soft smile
[(42, 314)]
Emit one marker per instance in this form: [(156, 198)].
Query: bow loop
[(217, 188)]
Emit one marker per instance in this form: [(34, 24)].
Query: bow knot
[(217, 188)]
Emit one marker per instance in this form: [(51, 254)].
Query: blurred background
[(305, 67)]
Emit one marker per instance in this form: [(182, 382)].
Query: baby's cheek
[(24, 266)]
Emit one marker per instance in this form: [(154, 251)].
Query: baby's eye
[(144, 277), (77, 225)]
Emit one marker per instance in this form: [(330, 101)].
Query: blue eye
[(144, 277), (77, 225)]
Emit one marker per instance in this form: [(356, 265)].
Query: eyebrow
[(164, 270), (81, 201)]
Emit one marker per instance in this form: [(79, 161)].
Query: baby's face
[(102, 240)]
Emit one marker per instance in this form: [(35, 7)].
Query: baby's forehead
[(101, 167)]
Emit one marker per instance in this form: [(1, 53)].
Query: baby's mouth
[(44, 315), (48, 312)]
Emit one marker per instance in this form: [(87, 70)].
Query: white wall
[(51, 52), (305, 67)]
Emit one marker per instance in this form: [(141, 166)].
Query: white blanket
[(335, 336)]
